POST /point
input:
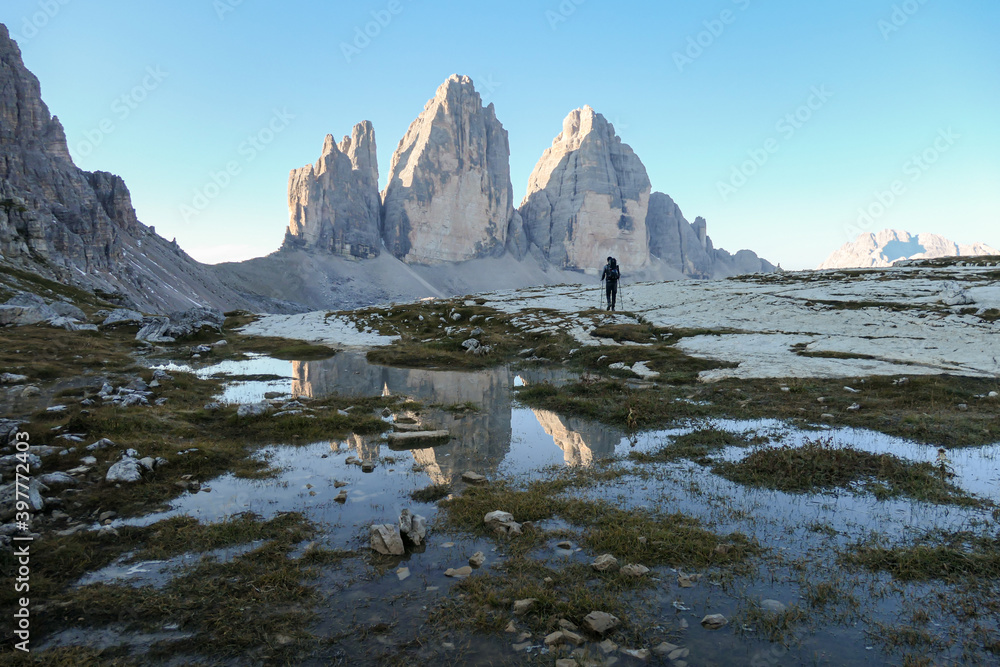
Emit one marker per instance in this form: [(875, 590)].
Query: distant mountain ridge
[(884, 248)]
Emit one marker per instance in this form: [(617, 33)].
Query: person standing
[(610, 276)]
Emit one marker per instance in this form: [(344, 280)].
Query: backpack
[(614, 274)]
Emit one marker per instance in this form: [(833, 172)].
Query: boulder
[(12, 315), (57, 479), (600, 622), (70, 324), (386, 540), (35, 490), (714, 621), (522, 607), (252, 409), (128, 470), (633, 570), (473, 478), (412, 526), (502, 523), (154, 330), (8, 429), (641, 654), (181, 324), (458, 573), (123, 317), (605, 562)]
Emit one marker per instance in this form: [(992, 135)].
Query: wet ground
[(375, 611)]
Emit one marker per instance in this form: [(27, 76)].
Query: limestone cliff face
[(449, 196), (79, 227), (334, 205), (673, 239), (883, 248), (688, 248), (588, 198)]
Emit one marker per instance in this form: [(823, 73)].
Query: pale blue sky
[(896, 79)]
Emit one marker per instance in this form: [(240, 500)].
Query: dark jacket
[(611, 274)]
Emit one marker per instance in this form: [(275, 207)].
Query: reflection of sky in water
[(243, 391), (504, 438)]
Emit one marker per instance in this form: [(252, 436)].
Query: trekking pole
[(601, 295)]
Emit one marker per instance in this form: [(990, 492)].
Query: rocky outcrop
[(673, 239), (334, 205), (449, 196), (588, 198), (888, 246), (79, 227), (688, 248)]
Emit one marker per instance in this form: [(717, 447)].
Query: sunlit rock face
[(334, 205), (588, 198), (449, 196)]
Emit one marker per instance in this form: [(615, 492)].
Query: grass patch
[(667, 539), (432, 493), (696, 446), (255, 606), (819, 466), (953, 557), (431, 335), (485, 600), (801, 350), (775, 626), (45, 353)]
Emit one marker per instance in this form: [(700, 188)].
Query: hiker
[(610, 276)]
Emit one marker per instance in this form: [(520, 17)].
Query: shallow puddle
[(492, 434)]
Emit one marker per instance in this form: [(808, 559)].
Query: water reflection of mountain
[(482, 438), (581, 441)]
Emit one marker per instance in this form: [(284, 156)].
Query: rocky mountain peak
[(588, 197), (449, 196), (334, 204), (885, 247)]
